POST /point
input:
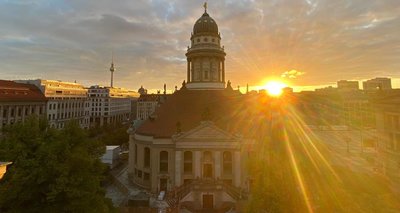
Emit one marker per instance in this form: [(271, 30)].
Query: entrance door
[(208, 201), (163, 184), (207, 170)]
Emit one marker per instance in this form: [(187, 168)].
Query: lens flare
[(274, 88)]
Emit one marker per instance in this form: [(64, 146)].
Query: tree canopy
[(52, 171)]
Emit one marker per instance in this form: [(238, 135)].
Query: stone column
[(217, 155), (237, 166), (223, 70), (188, 70), (178, 163), (197, 164), (201, 68)]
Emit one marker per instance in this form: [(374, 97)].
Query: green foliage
[(52, 170), (111, 135)]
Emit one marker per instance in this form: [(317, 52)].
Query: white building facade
[(110, 105), (66, 101)]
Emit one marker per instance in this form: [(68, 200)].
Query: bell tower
[(205, 56)]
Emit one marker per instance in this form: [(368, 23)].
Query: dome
[(205, 24)]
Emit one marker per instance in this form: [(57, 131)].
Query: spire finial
[(205, 7)]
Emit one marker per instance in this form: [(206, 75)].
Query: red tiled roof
[(229, 110), (19, 92)]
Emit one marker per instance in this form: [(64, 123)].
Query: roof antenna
[(112, 69)]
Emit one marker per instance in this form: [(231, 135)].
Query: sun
[(274, 88)]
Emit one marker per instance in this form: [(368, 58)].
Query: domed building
[(194, 146), (205, 57)]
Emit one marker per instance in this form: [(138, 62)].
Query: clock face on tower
[(205, 56)]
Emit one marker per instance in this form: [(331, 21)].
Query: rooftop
[(19, 92), (185, 109)]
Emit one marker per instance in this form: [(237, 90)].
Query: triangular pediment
[(206, 131)]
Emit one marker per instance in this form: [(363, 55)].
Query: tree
[(52, 170)]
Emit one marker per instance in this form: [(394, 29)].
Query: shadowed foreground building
[(194, 146)]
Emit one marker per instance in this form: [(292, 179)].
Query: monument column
[(178, 163)]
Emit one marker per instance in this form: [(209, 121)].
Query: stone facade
[(205, 56), (110, 105), (66, 101), (186, 147), (205, 153), (18, 101)]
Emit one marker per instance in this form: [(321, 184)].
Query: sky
[(305, 43)]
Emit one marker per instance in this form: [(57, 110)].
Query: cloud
[(330, 40), (292, 74)]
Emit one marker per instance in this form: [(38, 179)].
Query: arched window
[(135, 154), (227, 163), (164, 161), (187, 162), (147, 157)]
